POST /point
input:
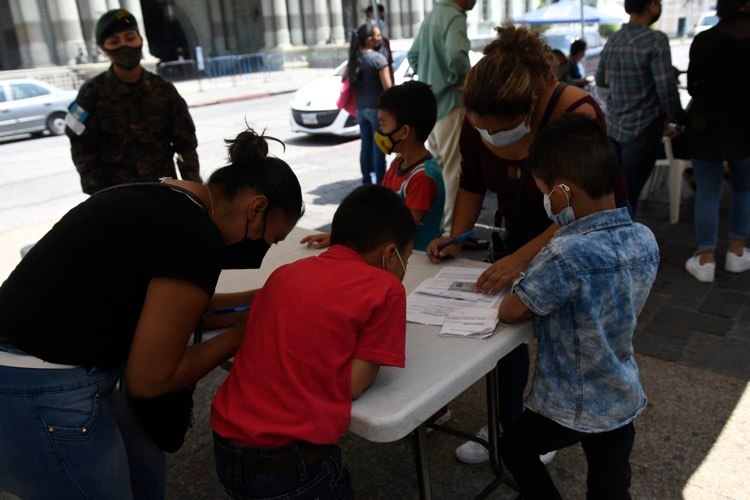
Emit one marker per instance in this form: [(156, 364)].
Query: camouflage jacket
[(123, 133)]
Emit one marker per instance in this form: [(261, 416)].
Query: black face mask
[(248, 253), (126, 57)]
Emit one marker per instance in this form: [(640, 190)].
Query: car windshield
[(710, 20)]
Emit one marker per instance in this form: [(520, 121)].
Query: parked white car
[(313, 107), (705, 21), (29, 106)]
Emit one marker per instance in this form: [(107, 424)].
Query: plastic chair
[(675, 169)]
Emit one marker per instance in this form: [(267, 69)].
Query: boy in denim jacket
[(585, 290)]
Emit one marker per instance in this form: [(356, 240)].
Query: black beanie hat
[(114, 21)]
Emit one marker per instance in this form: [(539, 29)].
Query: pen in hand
[(230, 310), (457, 239)]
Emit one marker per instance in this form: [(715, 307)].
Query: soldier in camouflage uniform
[(127, 123)]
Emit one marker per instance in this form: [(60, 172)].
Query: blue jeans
[(371, 158), (69, 433), (709, 177), (326, 479), (637, 159)]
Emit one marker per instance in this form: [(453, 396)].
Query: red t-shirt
[(422, 190), (291, 378)]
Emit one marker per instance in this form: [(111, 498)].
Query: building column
[(89, 11), (416, 16), (67, 31), (393, 14), (134, 7), (217, 28), (322, 24), (295, 23), (281, 22), (337, 21), (269, 38), (28, 22)]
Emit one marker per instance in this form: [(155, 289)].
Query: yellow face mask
[(385, 141)]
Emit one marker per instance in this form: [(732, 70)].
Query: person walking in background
[(718, 130), (379, 21), (585, 290), (440, 56), (576, 73), (127, 124), (368, 72), (636, 66)]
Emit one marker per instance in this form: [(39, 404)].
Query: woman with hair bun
[(113, 292), (368, 72), (510, 95)]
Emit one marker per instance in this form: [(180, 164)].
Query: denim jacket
[(586, 288)]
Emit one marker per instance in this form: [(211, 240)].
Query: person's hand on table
[(320, 240), (501, 274), (437, 255)]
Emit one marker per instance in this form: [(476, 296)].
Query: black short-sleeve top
[(77, 295)]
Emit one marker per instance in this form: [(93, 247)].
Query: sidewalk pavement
[(209, 91), (692, 345)]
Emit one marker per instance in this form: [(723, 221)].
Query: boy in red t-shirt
[(317, 334), (406, 116)]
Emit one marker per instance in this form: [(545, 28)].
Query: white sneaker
[(738, 263), (704, 272), (548, 457), (472, 452)]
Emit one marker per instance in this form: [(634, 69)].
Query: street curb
[(245, 97)]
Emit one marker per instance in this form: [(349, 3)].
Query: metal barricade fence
[(177, 70), (235, 65)]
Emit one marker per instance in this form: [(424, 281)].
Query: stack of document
[(449, 300)]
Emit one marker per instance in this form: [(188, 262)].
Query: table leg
[(493, 420), (420, 459)]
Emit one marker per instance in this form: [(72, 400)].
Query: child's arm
[(513, 309), (418, 216), (363, 375), (320, 240)]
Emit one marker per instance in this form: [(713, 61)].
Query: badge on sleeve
[(76, 118)]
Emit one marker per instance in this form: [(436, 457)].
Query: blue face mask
[(504, 137), (566, 215)]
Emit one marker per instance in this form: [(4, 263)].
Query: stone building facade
[(39, 33)]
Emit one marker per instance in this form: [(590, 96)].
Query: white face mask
[(502, 138), (566, 215), (400, 260)]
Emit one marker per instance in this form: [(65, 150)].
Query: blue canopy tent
[(567, 11)]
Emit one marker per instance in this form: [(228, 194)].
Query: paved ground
[(692, 344)]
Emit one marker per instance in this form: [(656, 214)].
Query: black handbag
[(168, 417)]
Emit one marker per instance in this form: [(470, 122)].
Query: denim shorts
[(324, 479)]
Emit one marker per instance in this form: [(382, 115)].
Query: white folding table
[(438, 369)]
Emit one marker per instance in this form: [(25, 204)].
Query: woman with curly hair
[(368, 72), (510, 94)]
